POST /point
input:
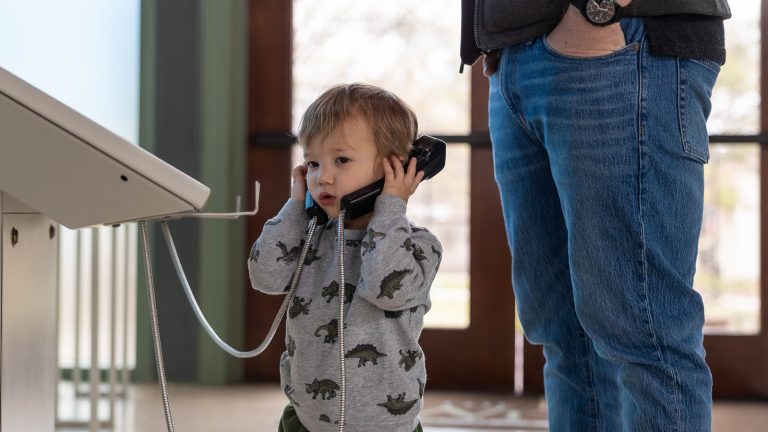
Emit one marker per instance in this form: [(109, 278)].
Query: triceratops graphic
[(325, 388)]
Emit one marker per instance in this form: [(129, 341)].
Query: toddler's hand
[(399, 182), (299, 186)]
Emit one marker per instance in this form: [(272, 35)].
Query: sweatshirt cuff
[(388, 207), (293, 211)]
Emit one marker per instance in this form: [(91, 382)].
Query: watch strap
[(579, 4)]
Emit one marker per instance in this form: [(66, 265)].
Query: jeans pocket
[(631, 47), (696, 80)]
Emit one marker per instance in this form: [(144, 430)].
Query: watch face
[(600, 11)]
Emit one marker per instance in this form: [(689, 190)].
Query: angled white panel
[(80, 174)]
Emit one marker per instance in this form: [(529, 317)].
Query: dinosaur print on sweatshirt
[(399, 313), (365, 353), (392, 283), (289, 394), (254, 255), (398, 405), (437, 252), (385, 366), (293, 254), (416, 250), (369, 245), (332, 290), (325, 388), (291, 345), (299, 307), (331, 329), (409, 359)]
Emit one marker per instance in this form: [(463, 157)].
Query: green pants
[(289, 422)]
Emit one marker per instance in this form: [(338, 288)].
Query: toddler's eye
[(342, 159), (311, 164)]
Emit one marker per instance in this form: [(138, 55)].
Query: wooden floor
[(256, 408)]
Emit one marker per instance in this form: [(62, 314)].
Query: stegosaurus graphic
[(391, 283), (332, 329), (371, 245), (298, 307), (291, 346), (325, 388), (365, 353), (292, 254), (254, 255), (409, 359), (288, 393), (421, 388), (416, 250), (398, 405), (332, 290), (324, 418)]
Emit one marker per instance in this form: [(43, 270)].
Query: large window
[(86, 54), (728, 267)]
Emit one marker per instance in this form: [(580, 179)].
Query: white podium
[(57, 166)]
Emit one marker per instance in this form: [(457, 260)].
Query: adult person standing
[(598, 115)]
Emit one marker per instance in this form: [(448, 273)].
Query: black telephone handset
[(430, 158)]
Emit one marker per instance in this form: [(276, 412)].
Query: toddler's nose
[(325, 176)]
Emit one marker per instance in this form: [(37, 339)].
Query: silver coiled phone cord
[(342, 295), (156, 327), (199, 314)]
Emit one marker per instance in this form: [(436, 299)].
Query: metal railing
[(104, 272)]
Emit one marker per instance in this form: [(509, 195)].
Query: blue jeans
[(599, 163)]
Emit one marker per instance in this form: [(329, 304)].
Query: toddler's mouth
[(326, 199)]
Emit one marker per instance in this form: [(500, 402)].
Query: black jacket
[(492, 24)]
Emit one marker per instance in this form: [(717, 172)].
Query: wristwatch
[(599, 12)]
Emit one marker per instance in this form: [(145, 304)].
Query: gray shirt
[(389, 268)]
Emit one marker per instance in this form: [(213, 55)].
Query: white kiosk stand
[(56, 166)]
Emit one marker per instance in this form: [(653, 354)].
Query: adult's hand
[(575, 36)]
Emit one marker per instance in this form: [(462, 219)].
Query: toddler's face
[(340, 163)]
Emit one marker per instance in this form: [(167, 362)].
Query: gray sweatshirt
[(389, 268)]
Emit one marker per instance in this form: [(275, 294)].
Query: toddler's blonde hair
[(392, 122)]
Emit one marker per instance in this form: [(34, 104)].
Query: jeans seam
[(517, 113), (594, 418), (677, 409)]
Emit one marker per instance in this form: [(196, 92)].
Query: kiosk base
[(28, 272)]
